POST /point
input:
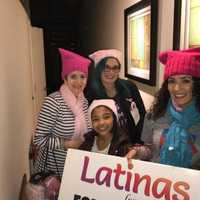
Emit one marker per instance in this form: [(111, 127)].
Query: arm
[(74, 143), (142, 152), (45, 124), (47, 120), (88, 141)]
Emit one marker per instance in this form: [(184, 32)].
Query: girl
[(106, 137)]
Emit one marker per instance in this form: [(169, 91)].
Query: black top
[(119, 146)]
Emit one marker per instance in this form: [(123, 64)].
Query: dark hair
[(97, 83), (91, 70), (162, 97), (117, 131), (97, 87), (196, 91), (115, 124), (102, 63)]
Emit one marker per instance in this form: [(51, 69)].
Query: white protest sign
[(92, 176)]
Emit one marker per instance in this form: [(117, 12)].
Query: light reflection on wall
[(194, 24)]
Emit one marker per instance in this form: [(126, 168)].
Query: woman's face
[(102, 120), (180, 88), (76, 81), (111, 72)]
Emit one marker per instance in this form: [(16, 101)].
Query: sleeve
[(141, 108), (124, 149), (147, 131), (144, 152), (45, 124)]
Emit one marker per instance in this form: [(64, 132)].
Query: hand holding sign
[(97, 176)]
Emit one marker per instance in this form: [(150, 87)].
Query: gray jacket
[(152, 131)]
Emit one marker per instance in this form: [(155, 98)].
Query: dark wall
[(43, 13), (60, 22)]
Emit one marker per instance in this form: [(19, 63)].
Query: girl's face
[(102, 120), (76, 81), (180, 88), (111, 72)]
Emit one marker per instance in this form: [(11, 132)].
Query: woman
[(106, 84), (105, 137), (172, 127), (63, 118)]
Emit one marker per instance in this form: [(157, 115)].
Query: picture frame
[(177, 24), (140, 41), (186, 24)]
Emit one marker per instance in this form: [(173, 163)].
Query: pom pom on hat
[(109, 103), (99, 55), (73, 62), (181, 62)]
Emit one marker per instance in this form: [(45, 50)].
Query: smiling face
[(102, 121), (180, 88), (76, 81), (111, 72)]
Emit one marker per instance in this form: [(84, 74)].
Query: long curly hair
[(162, 97)]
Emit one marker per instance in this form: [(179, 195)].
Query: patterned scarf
[(76, 105), (177, 147)]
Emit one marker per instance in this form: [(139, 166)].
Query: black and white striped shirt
[(56, 121)]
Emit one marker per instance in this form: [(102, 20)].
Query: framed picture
[(140, 27), (186, 24), (177, 24)]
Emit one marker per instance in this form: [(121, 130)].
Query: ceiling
[(52, 12)]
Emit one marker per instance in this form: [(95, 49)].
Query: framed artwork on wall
[(186, 24), (140, 29)]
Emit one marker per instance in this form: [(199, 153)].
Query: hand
[(74, 143), (130, 155)]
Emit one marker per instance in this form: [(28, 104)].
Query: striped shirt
[(56, 121)]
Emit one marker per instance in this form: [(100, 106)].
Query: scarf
[(177, 147), (76, 105)]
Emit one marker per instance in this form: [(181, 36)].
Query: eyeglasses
[(115, 69)]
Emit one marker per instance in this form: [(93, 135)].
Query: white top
[(96, 149)]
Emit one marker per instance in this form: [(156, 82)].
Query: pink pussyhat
[(73, 62), (110, 103), (99, 55), (185, 62)]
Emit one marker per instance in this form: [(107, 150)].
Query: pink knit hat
[(110, 103), (73, 62), (181, 62), (99, 55)]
